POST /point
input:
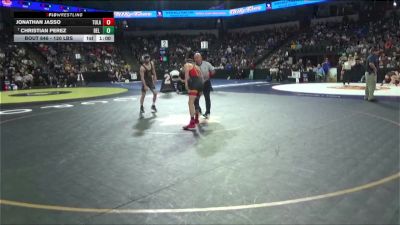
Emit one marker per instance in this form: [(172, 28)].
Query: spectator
[(320, 73), (17, 78), (326, 66), (392, 78), (72, 79), (358, 69)]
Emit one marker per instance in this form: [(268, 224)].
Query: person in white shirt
[(346, 70)]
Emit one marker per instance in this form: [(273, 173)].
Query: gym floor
[(264, 157)]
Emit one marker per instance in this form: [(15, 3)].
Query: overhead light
[(64, 8), (269, 5), (25, 4), (6, 3), (45, 6), (394, 3)]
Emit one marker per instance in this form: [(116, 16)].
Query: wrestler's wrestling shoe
[(190, 126), (196, 118), (153, 109), (206, 116), (141, 109)]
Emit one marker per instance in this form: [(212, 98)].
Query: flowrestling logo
[(247, 10), (134, 14)]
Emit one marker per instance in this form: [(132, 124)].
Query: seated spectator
[(181, 83), (392, 78), (112, 76), (320, 73), (28, 80), (72, 79), (17, 78)]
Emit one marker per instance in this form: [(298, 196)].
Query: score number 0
[(108, 22)]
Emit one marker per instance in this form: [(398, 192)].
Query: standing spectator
[(326, 66), (346, 70), (342, 59), (320, 73), (358, 69)]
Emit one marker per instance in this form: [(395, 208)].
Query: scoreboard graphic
[(64, 27)]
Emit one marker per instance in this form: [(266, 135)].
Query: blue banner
[(194, 13), (48, 7), (211, 13), (291, 3)]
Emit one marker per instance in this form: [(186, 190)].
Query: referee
[(207, 70), (371, 74)]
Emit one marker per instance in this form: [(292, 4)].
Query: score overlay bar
[(63, 27), (42, 22), (62, 30), (63, 38)]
